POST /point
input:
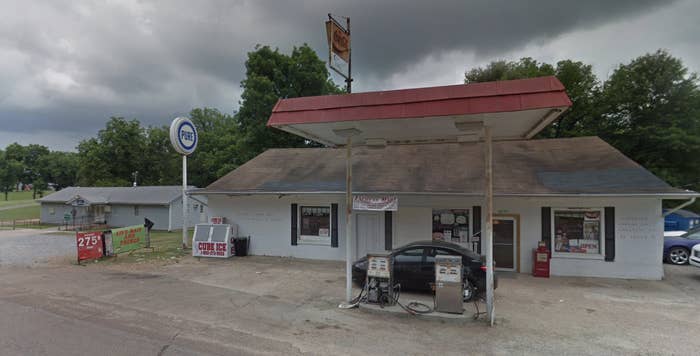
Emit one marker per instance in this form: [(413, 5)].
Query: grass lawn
[(27, 212), (16, 198), (166, 246)]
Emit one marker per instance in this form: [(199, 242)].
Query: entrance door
[(504, 244), (368, 236)]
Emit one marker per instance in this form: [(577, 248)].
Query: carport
[(506, 110)]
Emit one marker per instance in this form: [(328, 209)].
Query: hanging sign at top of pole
[(338, 46), (183, 136)]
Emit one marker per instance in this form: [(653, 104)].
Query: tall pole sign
[(339, 49), (183, 137)]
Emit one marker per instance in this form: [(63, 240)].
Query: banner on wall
[(128, 238), (375, 203)]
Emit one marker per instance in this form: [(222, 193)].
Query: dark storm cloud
[(67, 66)]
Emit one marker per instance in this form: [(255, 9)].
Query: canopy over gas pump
[(505, 110)]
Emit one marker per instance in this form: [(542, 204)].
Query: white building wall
[(125, 215), (267, 220), (638, 228), (194, 216)]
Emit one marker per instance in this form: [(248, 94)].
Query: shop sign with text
[(89, 245), (128, 238), (375, 203)]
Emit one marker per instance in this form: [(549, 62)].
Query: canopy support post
[(348, 219), (488, 236)]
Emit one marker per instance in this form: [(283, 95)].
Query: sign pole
[(183, 137), (488, 238), (184, 201), (348, 80)]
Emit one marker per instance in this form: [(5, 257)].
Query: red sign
[(89, 245), (211, 249)]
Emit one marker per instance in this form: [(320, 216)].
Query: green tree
[(10, 172), (31, 157), (114, 155), (271, 75), (60, 168), (217, 150), (578, 78), (651, 112)]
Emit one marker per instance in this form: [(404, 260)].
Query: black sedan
[(414, 267)]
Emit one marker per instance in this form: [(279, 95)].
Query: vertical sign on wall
[(183, 137)]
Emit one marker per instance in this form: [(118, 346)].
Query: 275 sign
[(89, 244)]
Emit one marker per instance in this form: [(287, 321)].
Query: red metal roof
[(463, 99)]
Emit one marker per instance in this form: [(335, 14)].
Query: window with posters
[(451, 225), (577, 232), (315, 224)]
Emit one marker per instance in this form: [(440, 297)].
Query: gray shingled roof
[(145, 195), (585, 165)]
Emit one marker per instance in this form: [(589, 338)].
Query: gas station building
[(430, 151)]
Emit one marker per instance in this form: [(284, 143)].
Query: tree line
[(649, 109)]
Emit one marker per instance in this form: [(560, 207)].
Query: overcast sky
[(67, 66)]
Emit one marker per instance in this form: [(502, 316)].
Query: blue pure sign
[(183, 135)]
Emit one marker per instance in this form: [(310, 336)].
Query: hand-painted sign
[(89, 245), (183, 135), (128, 238), (375, 203)]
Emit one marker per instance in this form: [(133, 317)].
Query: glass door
[(504, 246)]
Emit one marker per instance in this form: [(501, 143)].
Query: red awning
[(514, 109), (464, 99)]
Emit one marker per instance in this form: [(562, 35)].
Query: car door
[(407, 267)]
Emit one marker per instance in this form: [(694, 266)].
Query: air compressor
[(379, 283)]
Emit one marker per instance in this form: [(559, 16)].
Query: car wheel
[(678, 255), (469, 291)]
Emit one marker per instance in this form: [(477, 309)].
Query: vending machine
[(449, 290)]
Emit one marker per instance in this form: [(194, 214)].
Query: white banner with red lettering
[(375, 203)]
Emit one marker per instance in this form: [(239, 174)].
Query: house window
[(315, 223), (136, 210), (52, 211), (578, 232), (451, 225)]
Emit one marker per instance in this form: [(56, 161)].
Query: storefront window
[(451, 225), (315, 223), (578, 231)]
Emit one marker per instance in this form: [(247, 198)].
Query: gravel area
[(31, 247)]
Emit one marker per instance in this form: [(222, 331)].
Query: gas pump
[(448, 284), (379, 280)]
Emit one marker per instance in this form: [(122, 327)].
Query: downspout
[(691, 201)]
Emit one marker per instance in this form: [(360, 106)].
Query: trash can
[(240, 245)]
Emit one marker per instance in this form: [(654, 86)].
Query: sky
[(66, 66)]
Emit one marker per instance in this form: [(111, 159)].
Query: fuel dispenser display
[(379, 282), (448, 284)]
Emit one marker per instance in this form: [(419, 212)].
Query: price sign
[(89, 245)]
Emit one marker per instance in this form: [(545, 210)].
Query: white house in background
[(122, 206)]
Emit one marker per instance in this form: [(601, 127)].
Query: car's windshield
[(692, 235)]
